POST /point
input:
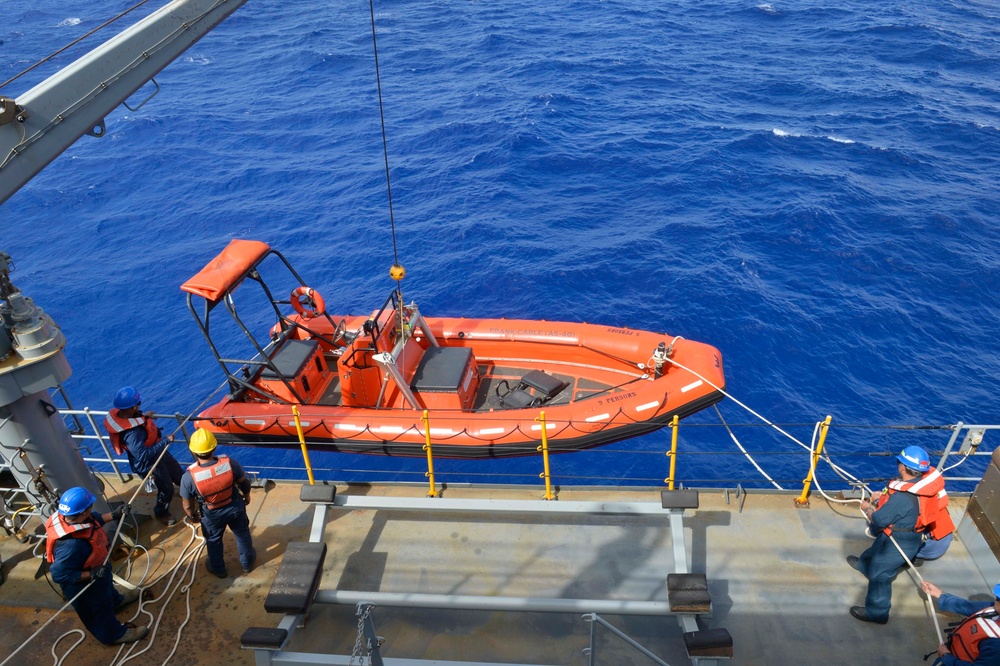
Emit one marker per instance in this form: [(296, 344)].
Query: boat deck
[(776, 574)]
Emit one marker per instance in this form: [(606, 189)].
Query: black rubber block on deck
[(319, 493), (263, 637), (709, 643), (297, 579)]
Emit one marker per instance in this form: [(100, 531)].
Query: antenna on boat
[(397, 272)]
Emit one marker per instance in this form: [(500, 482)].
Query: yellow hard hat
[(202, 442)]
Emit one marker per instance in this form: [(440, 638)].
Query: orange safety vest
[(933, 502), (213, 481), (964, 640), (116, 424), (57, 528)]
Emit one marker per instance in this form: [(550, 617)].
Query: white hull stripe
[(253, 421), (648, 405), (692, 386), (547, 426), (599, 417), (492, 431), (302, 423)]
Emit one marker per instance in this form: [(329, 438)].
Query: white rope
[(187, 560), (114, 539), (58, 659), (47, 623), (748, 456), (738, 402), (911, 569)]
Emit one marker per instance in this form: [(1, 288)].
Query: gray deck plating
[(777, 577)]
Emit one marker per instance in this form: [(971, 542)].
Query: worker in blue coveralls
[(76, 547), (975, 641), (136, 435), (880, 563), (209, 493)]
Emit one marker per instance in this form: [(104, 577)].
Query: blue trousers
[(933, 549), (167, 474), (96, 608), (213, 526), (879, 564)]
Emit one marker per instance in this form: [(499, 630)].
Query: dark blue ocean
[(813, 188)]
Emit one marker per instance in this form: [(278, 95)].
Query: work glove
[(123, 510), (246, 497), (100, 572)]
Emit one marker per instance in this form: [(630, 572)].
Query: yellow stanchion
[(302, 443), (544, 448), (803, 499), (672, 454), (430, 457)]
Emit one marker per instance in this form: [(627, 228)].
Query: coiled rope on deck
[(114, 539)]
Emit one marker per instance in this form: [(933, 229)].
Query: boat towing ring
[(307, 302)]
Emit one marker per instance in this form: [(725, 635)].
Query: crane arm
[(39, 125)]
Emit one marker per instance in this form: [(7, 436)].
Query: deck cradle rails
[(296, 586)]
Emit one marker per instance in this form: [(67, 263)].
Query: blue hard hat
[(914, 457), (996, 591), (75, 501), (127, 397)]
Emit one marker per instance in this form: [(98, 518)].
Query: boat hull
[(613, 392)]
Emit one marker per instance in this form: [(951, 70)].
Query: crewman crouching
[(76, 547)]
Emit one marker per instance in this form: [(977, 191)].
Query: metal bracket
[(143, 102), (98, 130), (973, 438), (11, 111)]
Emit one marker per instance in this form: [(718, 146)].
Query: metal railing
[(591, 652), (965, 443)]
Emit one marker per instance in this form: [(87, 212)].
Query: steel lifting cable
[(397, 276), (385, 147), (73, 43)]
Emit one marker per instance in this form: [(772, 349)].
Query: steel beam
[(75, 100)]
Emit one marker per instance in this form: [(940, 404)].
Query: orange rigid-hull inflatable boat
[(387, 382)]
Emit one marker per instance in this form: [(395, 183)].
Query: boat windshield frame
[(247, 370)]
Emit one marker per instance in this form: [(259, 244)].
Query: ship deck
[(776, 574)]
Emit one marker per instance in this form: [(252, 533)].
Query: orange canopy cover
[(221, 273)]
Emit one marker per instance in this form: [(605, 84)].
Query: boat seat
[(535, 388), (441, 370), (290, 359)]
